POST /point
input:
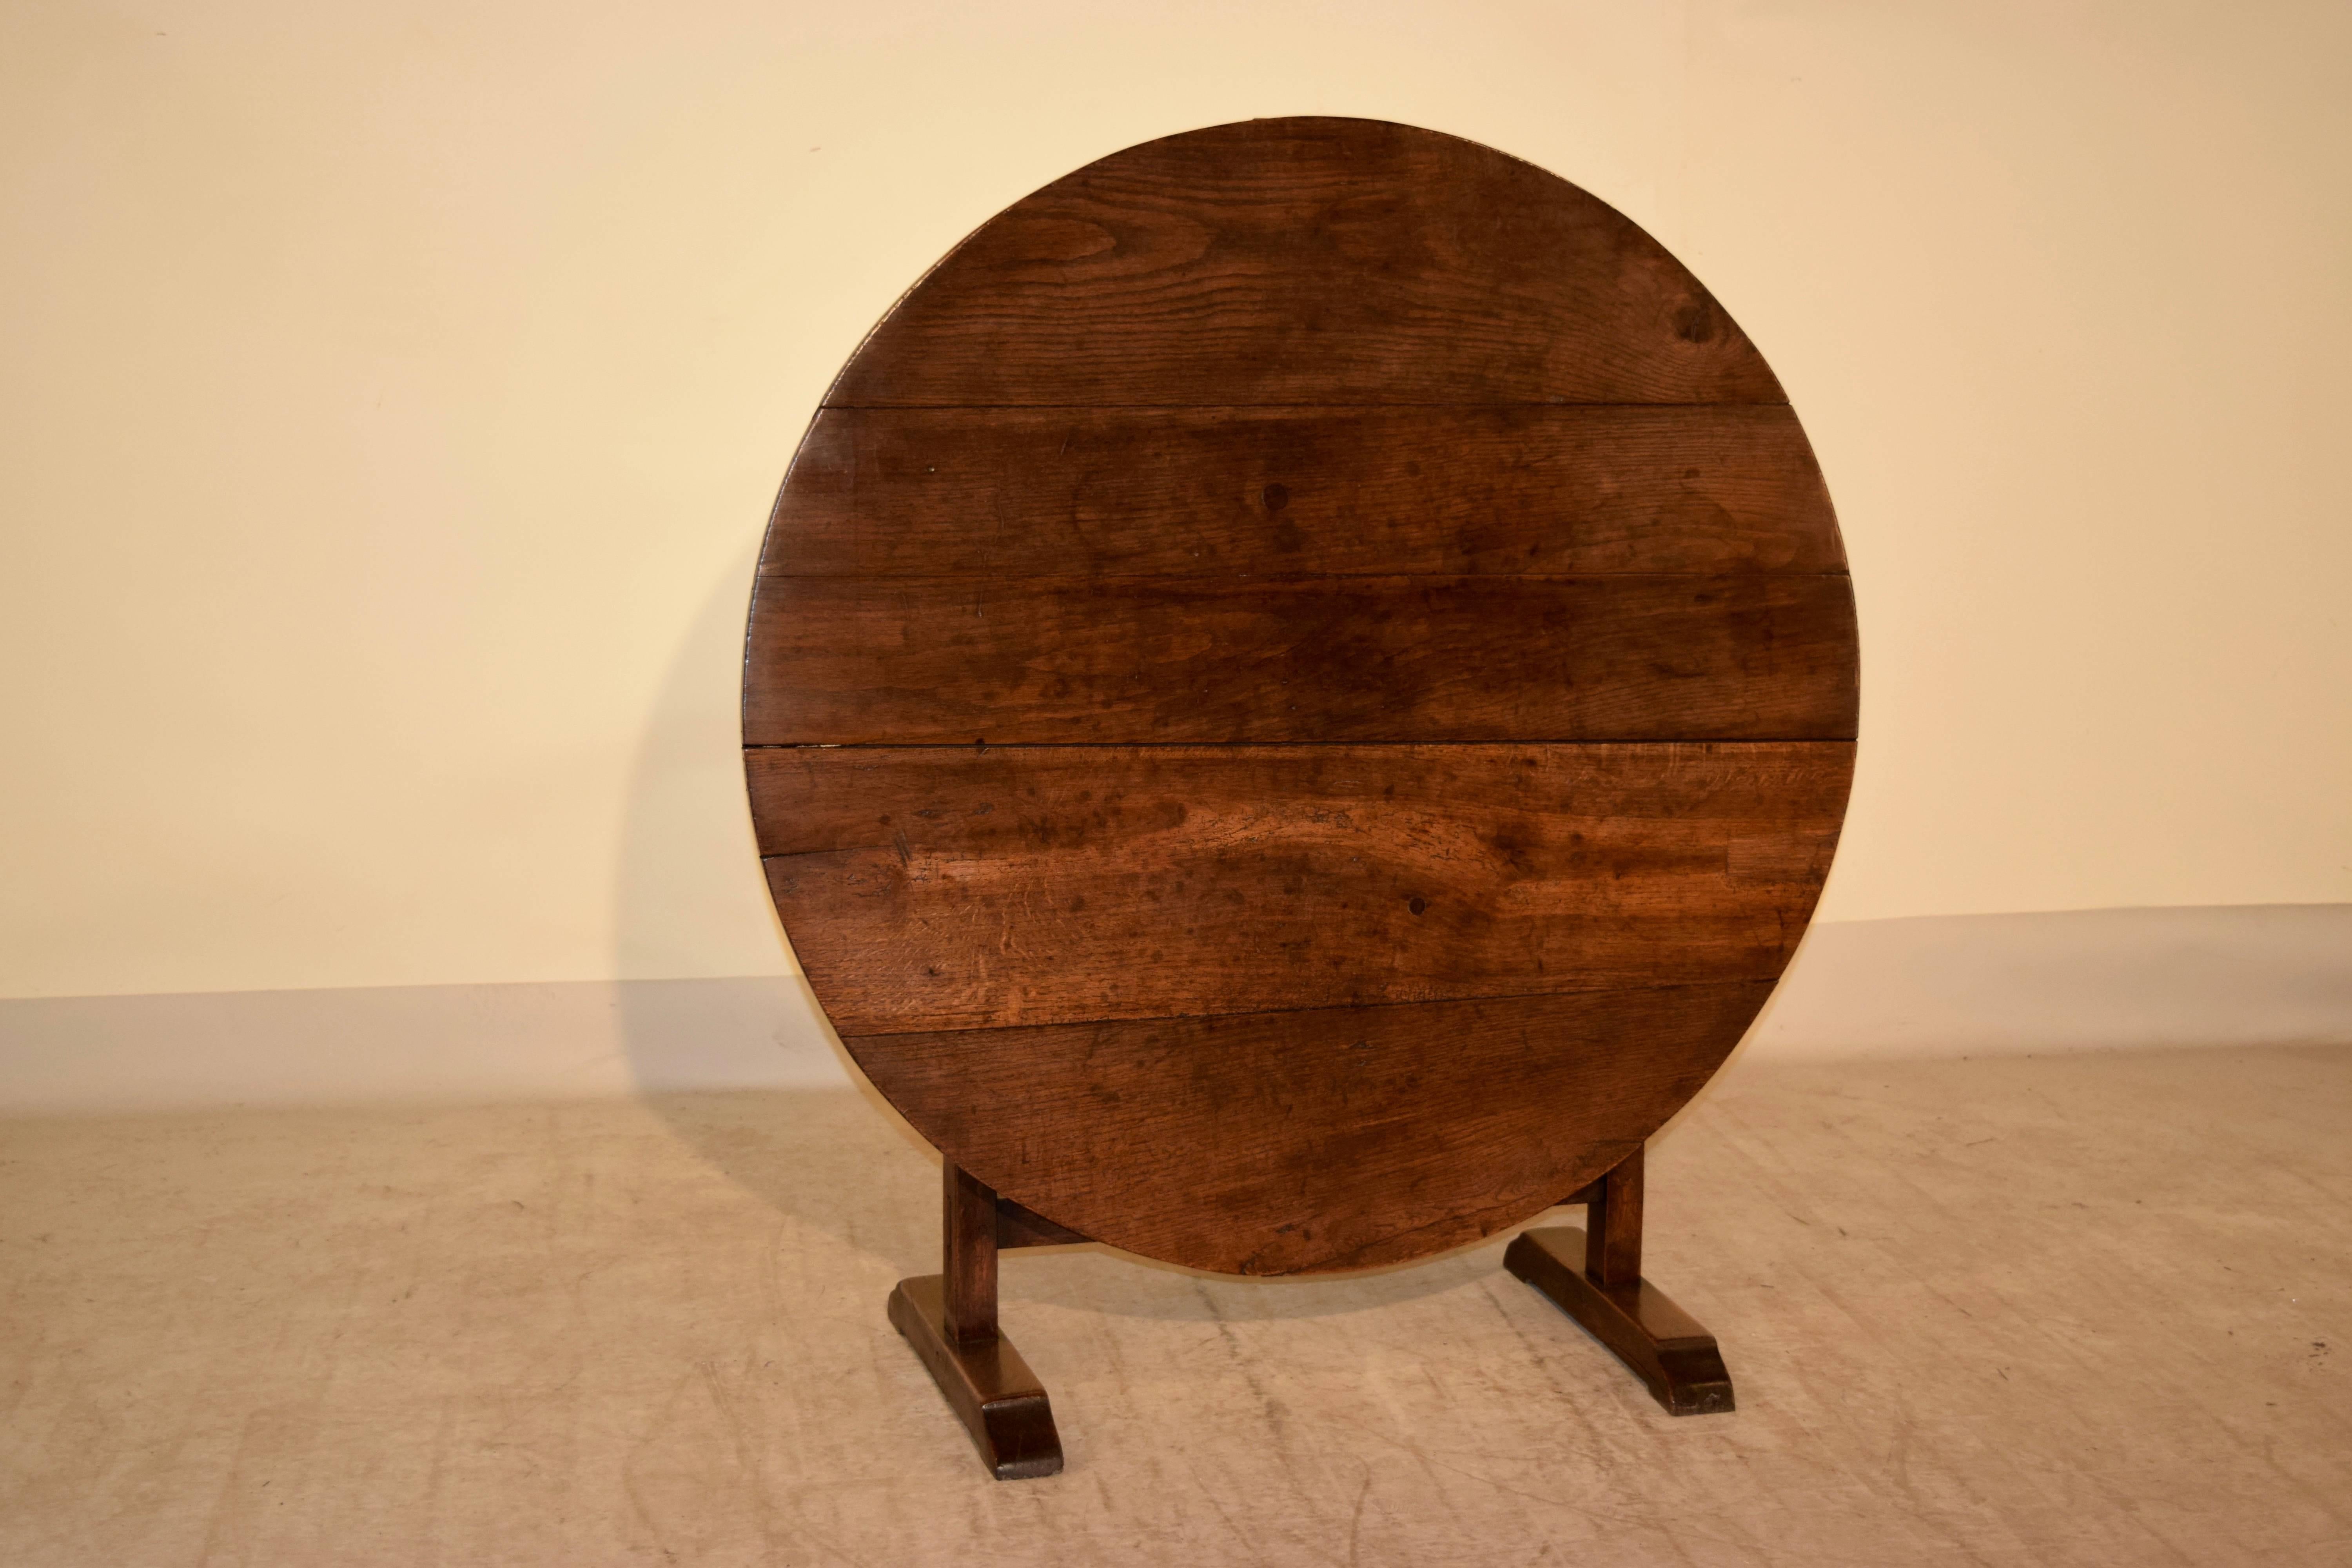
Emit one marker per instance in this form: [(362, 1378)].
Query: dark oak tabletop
[(1300, 693)]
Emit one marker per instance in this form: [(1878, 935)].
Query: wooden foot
[(1662, 1344), (1596, 1279), (950, 1320), (987, 1384)]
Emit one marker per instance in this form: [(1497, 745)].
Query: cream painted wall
[(391, 397)]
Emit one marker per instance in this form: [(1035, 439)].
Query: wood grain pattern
[(1300, 1142), (1307, 260), (1018, 1226), (1612, 1225), (968, 1227), (950, 888), (1061, 660), (1011, 492), (1300, 690)]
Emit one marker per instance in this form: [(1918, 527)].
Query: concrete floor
[(2078, 1310)]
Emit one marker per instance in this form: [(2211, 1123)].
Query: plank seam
[(1189, 408), (1767, 574), (1753, 980), (1275, 745), (1180, 407)]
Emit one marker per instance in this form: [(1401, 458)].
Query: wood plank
[(1013, 493), (952, 889), (1307, 260), (1297, 1143), (948, 661)]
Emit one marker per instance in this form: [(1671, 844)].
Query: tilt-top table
[(1300, 692)]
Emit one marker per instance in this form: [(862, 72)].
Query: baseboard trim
[(1946, 986), (421, 1044), (1943, 985)]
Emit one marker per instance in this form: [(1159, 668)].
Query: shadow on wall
[(686, 821), (690, 896)]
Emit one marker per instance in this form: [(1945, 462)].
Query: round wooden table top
[(1300, 693)]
